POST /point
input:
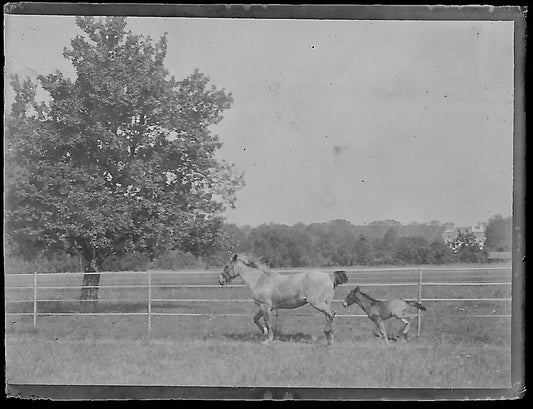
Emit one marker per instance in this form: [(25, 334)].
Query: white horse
[(271, 290)]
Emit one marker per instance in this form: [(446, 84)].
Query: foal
[(381, 310)]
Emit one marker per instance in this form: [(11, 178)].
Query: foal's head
[(353, 296)]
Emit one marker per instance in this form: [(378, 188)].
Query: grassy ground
[(227, 351), (238, 363)]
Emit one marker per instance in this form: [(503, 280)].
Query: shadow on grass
[(99, 306), (258, 337)]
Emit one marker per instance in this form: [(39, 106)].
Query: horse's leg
[(330, 315), (266, 311), (261, 327)]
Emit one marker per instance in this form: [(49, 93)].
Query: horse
[(273, 291), (381, 310)]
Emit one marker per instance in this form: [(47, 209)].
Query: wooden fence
[(416, 277)]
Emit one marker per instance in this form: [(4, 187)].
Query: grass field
[(244, 363), (456, 348)]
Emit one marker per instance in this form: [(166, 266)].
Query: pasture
[(464, 342)]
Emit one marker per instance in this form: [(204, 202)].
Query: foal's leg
[(406, 318), (406, 327), (330, 315), (258, 323), (381, 328)]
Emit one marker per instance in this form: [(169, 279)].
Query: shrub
[(176, 260), (58, 263), (127, 262)]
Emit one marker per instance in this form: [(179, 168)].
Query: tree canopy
[(121, 158), (339, 243)]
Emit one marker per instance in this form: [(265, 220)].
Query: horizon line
[(412, 223)]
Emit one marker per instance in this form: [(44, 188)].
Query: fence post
[(149, 301), (34, 300), (419, 298)]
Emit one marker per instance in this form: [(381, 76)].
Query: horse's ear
[(234, 257), (357, 288)]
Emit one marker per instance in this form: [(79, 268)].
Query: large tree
[(122, 158)]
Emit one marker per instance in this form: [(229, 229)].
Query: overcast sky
[(357, 120)]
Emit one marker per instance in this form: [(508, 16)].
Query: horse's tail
[(338, 277), (417, 305)]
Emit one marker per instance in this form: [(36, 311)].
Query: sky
[(336, 119)]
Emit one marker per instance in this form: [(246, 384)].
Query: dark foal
[(381, 310)]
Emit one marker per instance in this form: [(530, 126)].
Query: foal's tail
[(417, 305), (338, 277)]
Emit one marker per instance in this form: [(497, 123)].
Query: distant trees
[(412, 250), (388, 222), (364, 251), (335, 243), (340, 243), (498, 235), (279, 245), (390, 240), (439, 253)]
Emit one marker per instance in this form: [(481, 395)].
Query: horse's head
[(351, 297), (229, 272)]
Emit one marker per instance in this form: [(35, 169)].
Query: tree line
[(334, 243), (340, 243)]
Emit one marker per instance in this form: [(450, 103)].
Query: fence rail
[(401, 284), (148, 284), (348, 270)]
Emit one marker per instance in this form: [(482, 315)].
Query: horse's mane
[(367, 296), (251, 260)]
